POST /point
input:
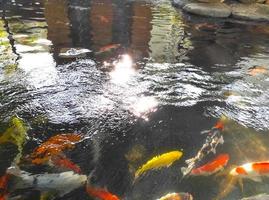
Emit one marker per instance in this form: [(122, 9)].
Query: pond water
[(154, 78)]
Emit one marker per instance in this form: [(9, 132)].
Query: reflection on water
[(123, 69), (170, 77)]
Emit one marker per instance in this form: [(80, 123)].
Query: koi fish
[(100, 193), (212, 141), (60, 183), (257, 70), (109, 47), (205, 26), (54, 146), (257, 197), (103, 19), (211, 167), (3, 186), (164, 160), (63, 162), (253, 171), (177, 196)]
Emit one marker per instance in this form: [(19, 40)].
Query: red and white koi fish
[(3, 186), (253, 171), (177, 196), (100, 193), (211, 167), (63, 162), (212, 141)]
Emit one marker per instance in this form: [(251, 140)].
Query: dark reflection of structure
[(121, 22), (97, 23), (79, 14), (124, 23)]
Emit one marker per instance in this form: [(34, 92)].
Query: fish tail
[(14, 170)]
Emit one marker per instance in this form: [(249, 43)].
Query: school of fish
[(52, 153)]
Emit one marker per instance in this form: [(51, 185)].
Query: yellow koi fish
[(164, 160)]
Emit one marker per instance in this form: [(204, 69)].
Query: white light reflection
[(39, 68), (123, 70), (144, 106)]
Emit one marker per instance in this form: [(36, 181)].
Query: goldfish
[(54, 146), (100, 193), (257, 70), (177, 196), (3, 186), (159, 161), (62, 161), (253, 171), (257, 197), (109, 47), (211, 167), (59, 183)]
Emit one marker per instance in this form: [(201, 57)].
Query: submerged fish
[(109, 47), (257, 197), (100, 193), (3, 186), (54, 146), (60, 183), (213, 139), (164, 160), (256, 70), (177, 196), (253, 171), (63, 162), (211, 167)]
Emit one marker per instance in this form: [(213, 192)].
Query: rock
[(258, 12), (208, 9), (251, 1), (181, 3), (73, 52), (210, 1)]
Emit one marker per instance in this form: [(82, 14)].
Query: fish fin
[(14, 170), (221, 140), (256, 178), (240, 182), (205, 132), (214, 151)]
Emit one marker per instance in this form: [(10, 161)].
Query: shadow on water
[(182, 74)]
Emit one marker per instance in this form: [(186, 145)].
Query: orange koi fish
[(63, 162), (101, 194), (256, 70), (219, 125), (109, 47), (103, 19), (54, 146), (3, 186), (253, 171), (177, 196), (211, 167)]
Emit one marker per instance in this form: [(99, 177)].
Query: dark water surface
[(174, 75)]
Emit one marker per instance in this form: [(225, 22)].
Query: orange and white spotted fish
[(253, 171), (211, 167)]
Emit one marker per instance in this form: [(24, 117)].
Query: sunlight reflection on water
[(123, 70)]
